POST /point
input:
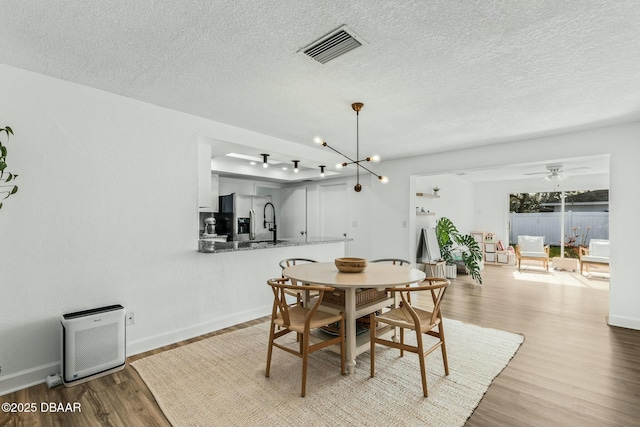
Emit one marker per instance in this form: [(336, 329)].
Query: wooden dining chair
[(301, 320), (422, 321), (394, 261), (288, 262)]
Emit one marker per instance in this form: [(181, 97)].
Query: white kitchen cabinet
[(205, 199), (215, 185)]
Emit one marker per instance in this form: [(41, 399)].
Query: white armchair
[(597, 254), (532, 248)]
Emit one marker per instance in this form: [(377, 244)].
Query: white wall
[(456, 202), (107, 214), (621, 142)]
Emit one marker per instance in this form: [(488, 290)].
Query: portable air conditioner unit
[(93, 344)]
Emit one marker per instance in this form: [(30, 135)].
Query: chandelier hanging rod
[(351, 161)]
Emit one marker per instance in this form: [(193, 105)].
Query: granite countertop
[(207, 246)]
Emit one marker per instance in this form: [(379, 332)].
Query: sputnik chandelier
[(357, 106)]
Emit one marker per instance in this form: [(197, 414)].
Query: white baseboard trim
[(151, 343), (34, 376), (624, 322), (27, 378)]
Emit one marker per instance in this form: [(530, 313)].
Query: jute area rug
[(220, 381)]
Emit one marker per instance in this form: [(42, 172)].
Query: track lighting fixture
[(322, 170), (264, 160), (295, 165)]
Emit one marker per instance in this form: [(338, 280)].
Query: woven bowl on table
[(351, 265)]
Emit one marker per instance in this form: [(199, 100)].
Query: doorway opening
[(568, 221)]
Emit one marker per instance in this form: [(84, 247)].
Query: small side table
[(436, 268)]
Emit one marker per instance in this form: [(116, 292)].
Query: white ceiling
[(434, 75)]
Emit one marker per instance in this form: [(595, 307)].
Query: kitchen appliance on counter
[(211, 229), (224, 224), (210, 226), (248, 216)]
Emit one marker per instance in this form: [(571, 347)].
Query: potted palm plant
[(6, 177), (453, 244)]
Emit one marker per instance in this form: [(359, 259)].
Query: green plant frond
[(450, 239), (8, 176), (471, 244), (444, 230), (13, 190)]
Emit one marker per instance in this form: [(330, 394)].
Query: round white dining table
[(376, 275)]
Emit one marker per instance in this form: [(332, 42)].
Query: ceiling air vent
[(332, 45)]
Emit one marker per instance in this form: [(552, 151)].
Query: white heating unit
[(93, 343)]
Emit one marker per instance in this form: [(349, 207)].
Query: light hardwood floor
[(572, 370)]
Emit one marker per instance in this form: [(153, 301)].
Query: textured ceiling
[(433, 75)]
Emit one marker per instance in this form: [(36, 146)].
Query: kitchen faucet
[(272, 226)]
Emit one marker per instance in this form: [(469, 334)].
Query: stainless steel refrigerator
[(249, 216)]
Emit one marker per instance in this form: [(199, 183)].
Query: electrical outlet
[(131, 318)]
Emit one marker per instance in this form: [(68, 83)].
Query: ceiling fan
[(556, 171)]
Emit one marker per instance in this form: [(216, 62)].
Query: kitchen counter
[(207, 246)]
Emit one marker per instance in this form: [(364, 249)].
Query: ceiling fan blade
[(537, 173), (580, 168)]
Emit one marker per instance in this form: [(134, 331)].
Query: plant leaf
[(448, 236)]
